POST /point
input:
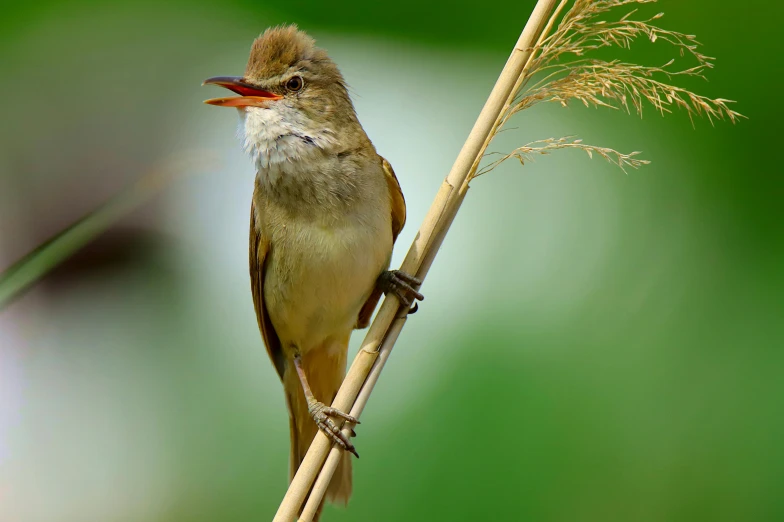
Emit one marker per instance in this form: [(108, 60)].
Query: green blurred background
[(594, 346)]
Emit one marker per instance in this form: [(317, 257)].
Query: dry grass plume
[(563, 72)]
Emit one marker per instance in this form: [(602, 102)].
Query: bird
[(325, 213)]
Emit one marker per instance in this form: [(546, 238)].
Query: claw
[(321, 414), (402, 285)]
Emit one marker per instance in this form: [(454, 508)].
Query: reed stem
[(378, 343)]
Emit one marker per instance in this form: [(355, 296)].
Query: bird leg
[(321, 413), (403, 285)]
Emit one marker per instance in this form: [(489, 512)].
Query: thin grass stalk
[(418, 260), (33, 267)]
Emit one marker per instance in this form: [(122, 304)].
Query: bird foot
[(321, 413), (403, 285)]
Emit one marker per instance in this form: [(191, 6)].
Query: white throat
[(278, 139)]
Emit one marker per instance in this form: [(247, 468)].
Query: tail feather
[(324, 368)]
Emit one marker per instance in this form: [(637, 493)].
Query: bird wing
[(398, 205), (259, 248), (396, 198)]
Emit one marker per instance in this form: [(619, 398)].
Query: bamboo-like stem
[(335, 454), (381, 336), (523, 77)]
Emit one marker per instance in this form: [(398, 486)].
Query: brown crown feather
[(278, 49)]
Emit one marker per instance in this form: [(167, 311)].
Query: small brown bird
[(325, 214)]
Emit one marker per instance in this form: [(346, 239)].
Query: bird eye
[(295, 84)]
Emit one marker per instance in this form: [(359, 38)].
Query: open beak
[(249, 95)]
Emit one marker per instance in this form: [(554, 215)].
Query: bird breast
[(319, 276)]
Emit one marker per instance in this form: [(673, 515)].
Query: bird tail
[(325, 367)]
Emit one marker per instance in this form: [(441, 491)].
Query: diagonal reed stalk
[(389, 321), (543, 48)]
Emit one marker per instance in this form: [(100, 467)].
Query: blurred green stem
[(35, 265)]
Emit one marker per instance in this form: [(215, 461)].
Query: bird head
[(292, 96)]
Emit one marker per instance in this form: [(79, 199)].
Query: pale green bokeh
[(594, 345)]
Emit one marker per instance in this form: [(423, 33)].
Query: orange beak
[(249, 95)]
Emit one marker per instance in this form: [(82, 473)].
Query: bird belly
[(319, 277)]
